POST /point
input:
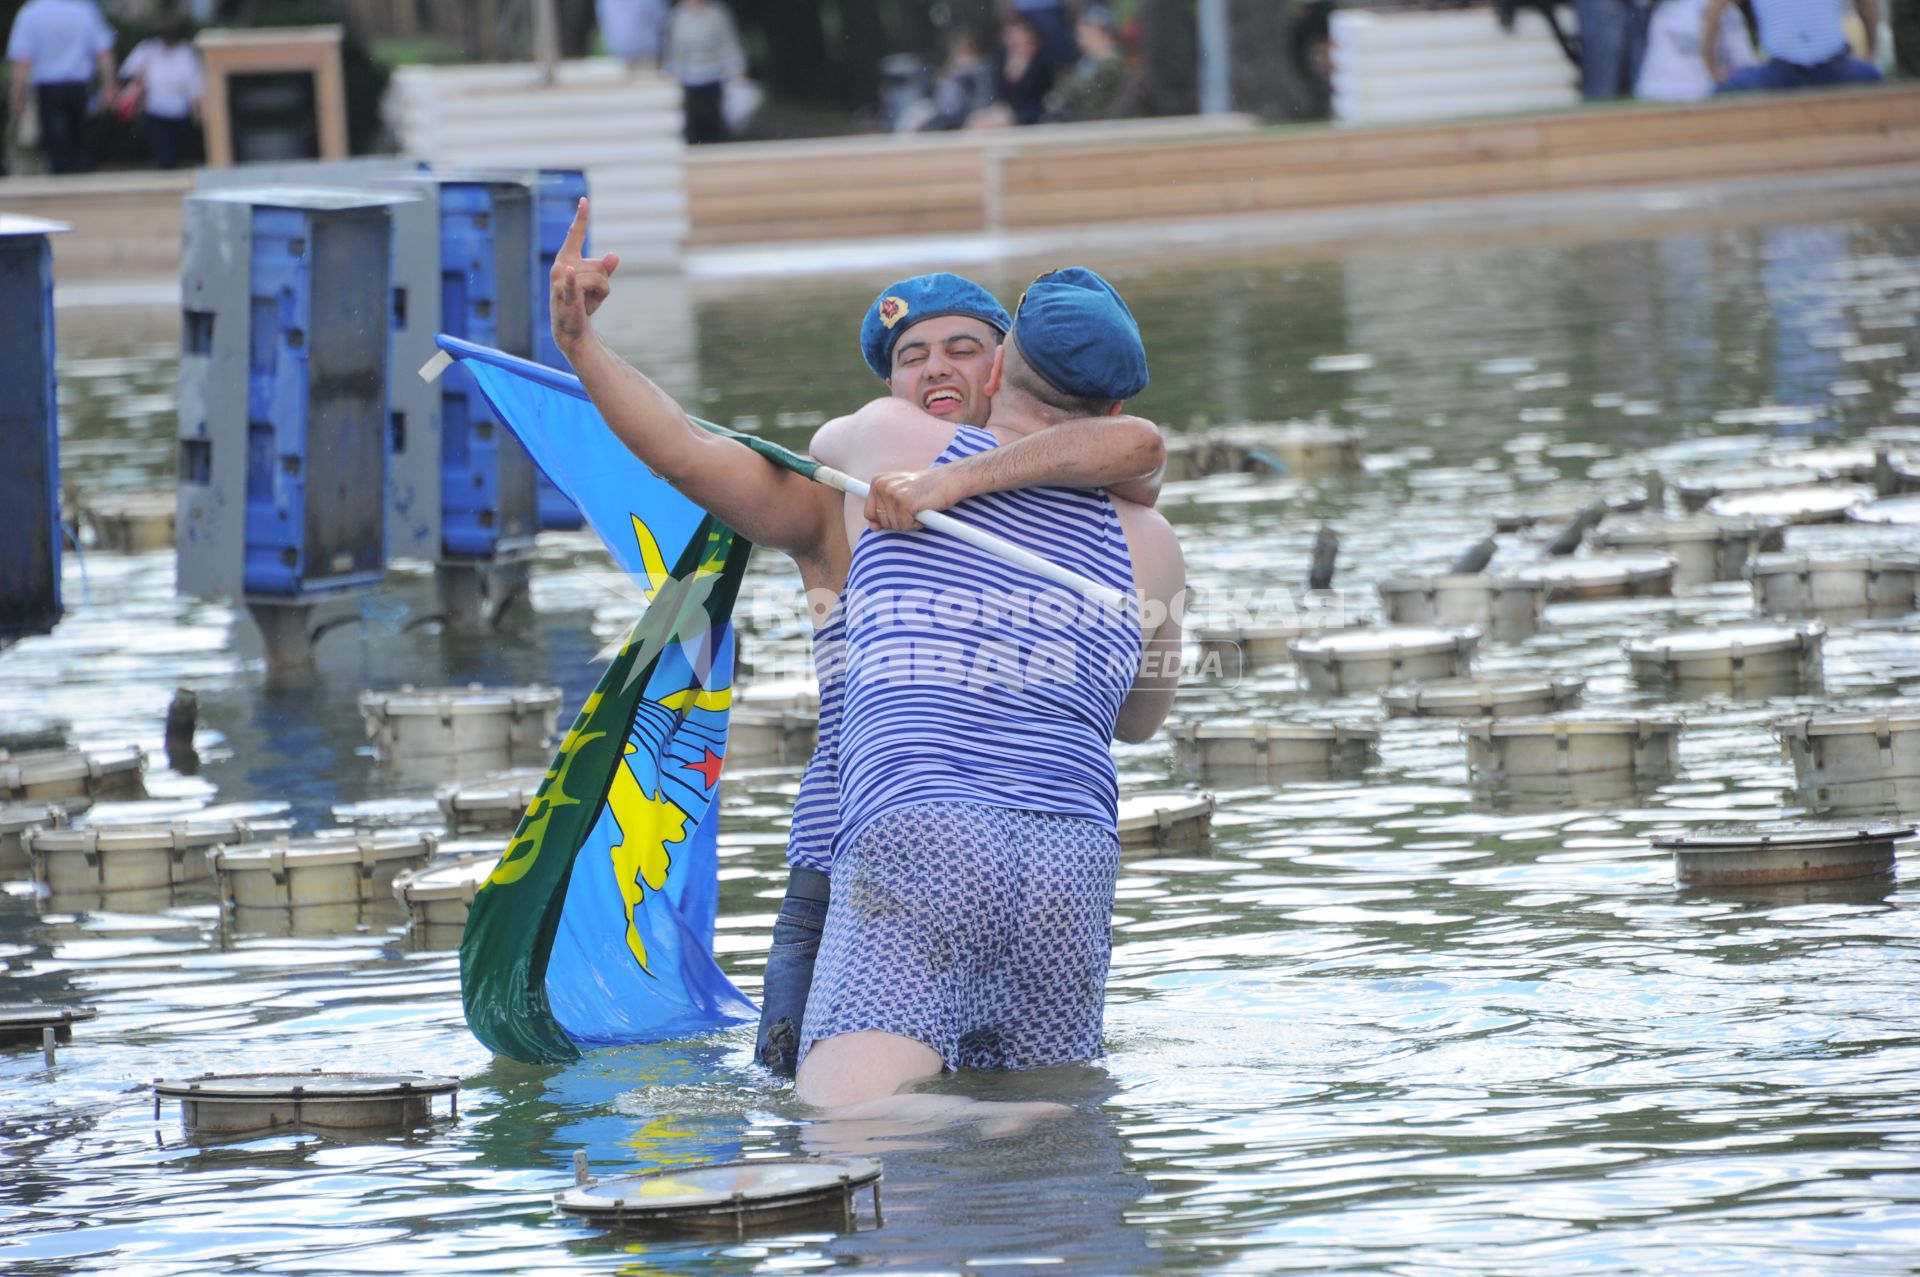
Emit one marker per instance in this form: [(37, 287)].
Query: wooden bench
[(1299, 168), (891, 184)]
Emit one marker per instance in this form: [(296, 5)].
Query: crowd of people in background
[(62, 72), (1049, 66), (1687, 50), (1044, 69), (1047, 60)]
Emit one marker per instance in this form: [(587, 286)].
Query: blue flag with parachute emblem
[(596, 926)]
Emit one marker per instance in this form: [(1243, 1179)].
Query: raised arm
[(763, 502), (1124, 455), (1870, 26)]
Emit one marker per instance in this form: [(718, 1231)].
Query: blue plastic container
[(29, 423), (558, 194), (488, 488), (316, 460)]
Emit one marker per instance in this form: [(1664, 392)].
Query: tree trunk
[(1266, 82), (797, 62), (915, 32), (576, 28), (863, 43), (1167, 80), (1904, 18)]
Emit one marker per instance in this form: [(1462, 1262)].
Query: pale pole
[(546, 38), (1216, 67)]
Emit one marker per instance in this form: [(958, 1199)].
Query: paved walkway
[(1796, 197)]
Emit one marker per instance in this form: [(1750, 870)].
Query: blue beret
[(902, 305), (1074, 330)]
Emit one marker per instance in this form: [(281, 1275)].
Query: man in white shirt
[(1805, 44), (56, 47)]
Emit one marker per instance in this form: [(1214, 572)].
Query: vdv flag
[(596, 927)]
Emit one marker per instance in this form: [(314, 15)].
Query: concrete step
[(1406, 66), (487, 76), (622, 131), (499, 147)]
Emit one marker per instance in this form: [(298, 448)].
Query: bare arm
[(1710, 41), (17, 85), (765, 503), (1159, 572), (1125, 455), (1870, 23)]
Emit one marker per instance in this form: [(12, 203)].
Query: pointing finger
[(577, 232)]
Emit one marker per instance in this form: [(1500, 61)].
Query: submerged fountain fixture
[(1366, 659), (1546, 753), (1862, 761), (302, 873), (1768, 853), (1169, 818), (1835, 587), (1255, 753), (731, 1199), (335, 1103), (1503, 697), (1749, 659)]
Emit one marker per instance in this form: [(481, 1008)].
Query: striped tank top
[(816, 811), (968, 679)]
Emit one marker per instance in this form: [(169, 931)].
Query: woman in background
[(703, 52), (1026, 70), (162, 82)]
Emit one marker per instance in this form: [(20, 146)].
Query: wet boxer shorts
[(982, 931)]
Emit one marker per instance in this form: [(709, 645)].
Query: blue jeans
[(789, 971), (1612, 41), (1775, 74)]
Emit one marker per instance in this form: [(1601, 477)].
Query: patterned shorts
[(981, 931)]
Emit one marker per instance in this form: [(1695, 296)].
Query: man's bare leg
[(858, 1080), (858, 1068)]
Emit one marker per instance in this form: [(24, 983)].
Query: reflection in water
[(1389, 1023), (1803, 266)]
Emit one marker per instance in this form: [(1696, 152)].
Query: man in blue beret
[(932, 339), (976, 846), (777, 508)]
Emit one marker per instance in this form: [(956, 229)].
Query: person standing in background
[(56, 48), (703, 52), (1675, 66), (631, 30), (1025, 74), (1805, 43), (1055, 29), (162, 78), (1610, 45), (963, 88), (1087, 92)]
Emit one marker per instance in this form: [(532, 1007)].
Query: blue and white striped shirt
[(816, 811), (1803, 32), (968, 679)]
